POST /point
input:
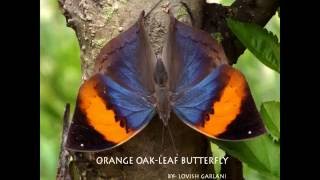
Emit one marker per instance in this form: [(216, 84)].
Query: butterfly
[(130, 86)]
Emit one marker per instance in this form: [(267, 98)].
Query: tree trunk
[(98, 21)]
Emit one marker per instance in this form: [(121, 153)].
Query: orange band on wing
[(228, 106), (98, 116)]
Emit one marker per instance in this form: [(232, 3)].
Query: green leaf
[(217, 152), (262, 43), (251, 174), (260, 153), (270, 112)]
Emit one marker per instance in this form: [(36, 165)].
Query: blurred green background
[(60, 77), (59, 81)]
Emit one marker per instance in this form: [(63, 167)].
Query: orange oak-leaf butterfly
[(130, 85)]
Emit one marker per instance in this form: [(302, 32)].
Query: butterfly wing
[(116, 103), (190, 55), (207, 94)]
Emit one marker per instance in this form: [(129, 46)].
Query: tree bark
[(98, 21)]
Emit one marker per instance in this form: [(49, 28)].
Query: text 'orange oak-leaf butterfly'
[(129, 86)]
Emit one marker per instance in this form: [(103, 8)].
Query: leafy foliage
[(251, 174), (217, 152), (270, 112), (262, 43), (261, 154)]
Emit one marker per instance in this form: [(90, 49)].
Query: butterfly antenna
[(171, 137), (156, 5)]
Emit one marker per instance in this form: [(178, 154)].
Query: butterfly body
[(162, 92), (130, 86)]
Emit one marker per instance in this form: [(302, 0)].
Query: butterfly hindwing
[(220, 106), (106, 115), (116, 102)]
